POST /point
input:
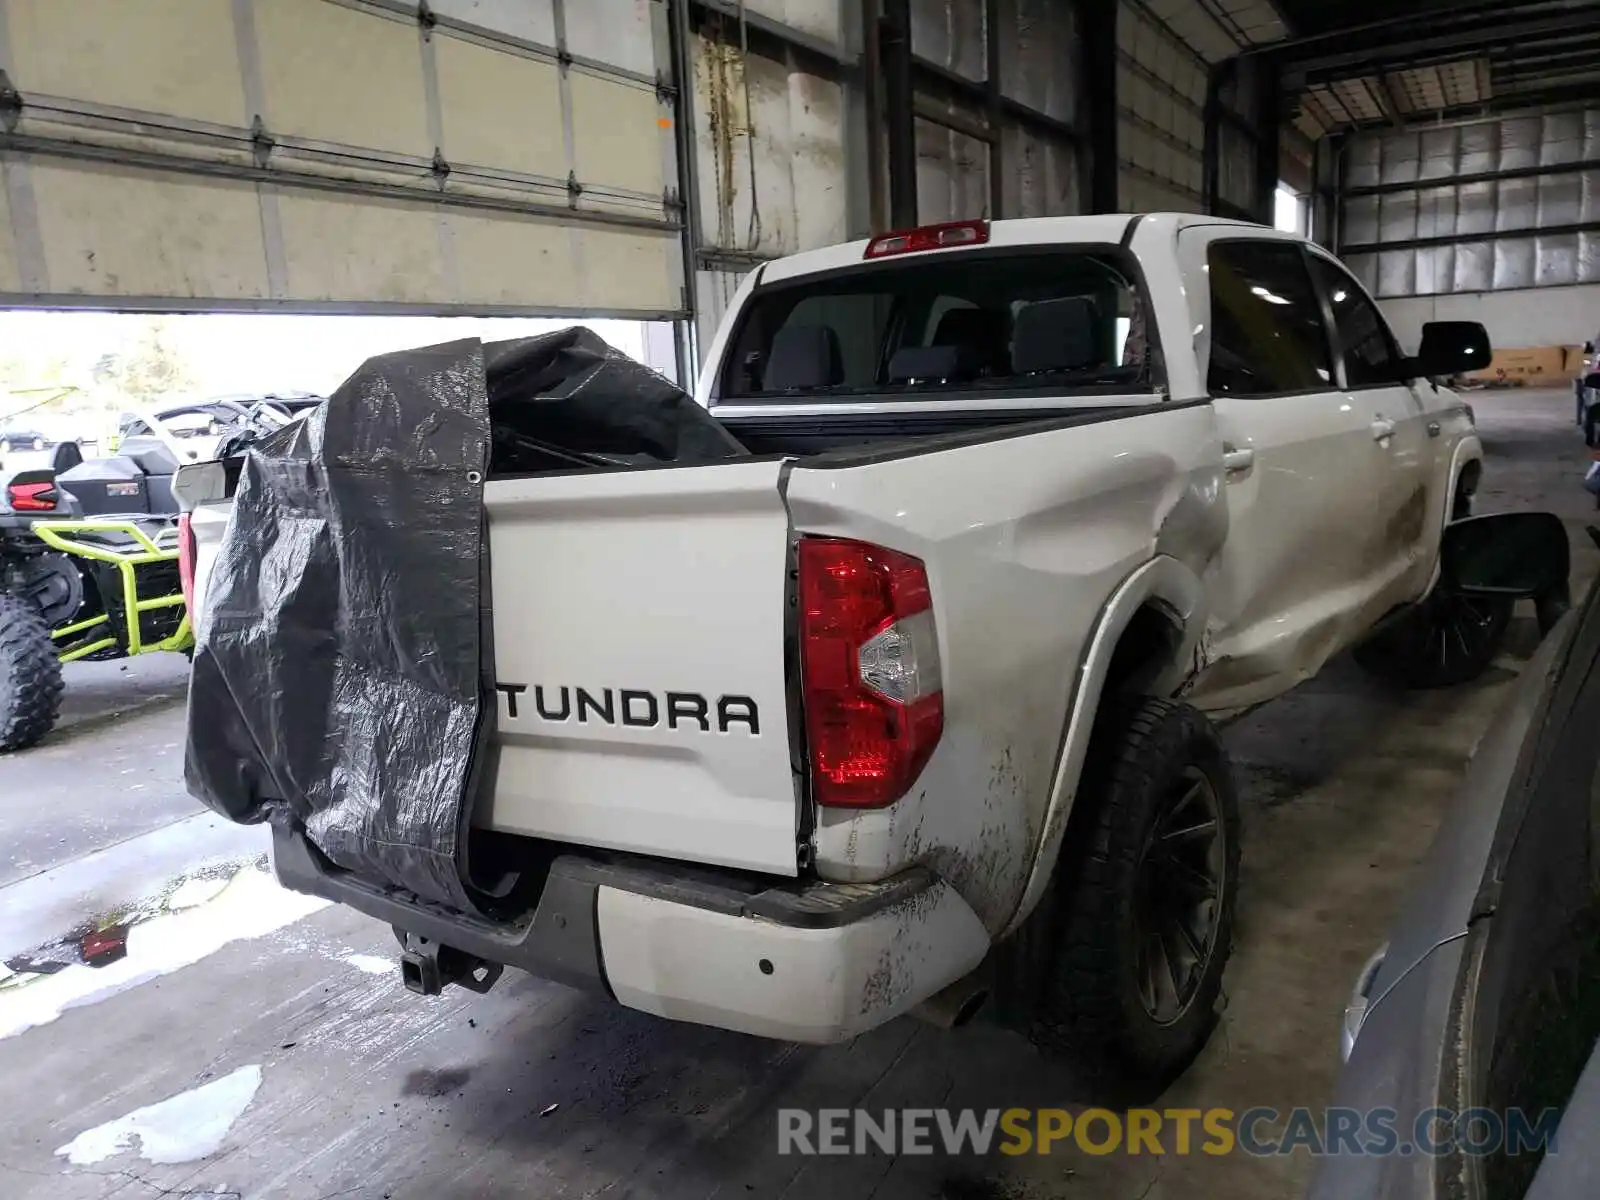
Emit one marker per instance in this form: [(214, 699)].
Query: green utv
[(89, 556)]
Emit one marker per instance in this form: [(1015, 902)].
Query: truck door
[(1405, 439), (1299, 466)]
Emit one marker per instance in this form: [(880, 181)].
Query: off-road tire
[(1086, 1004), (30, 675), (1445, 641)]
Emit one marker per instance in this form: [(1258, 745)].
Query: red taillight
[(186, 562), (33, 497), (928, 237), (869, 659)]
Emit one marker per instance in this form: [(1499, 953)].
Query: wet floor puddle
[(194, 916)]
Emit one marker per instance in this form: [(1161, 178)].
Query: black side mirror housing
[(1523, 555), (1452, 348)]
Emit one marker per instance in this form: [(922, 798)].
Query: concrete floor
[(367, 1091)]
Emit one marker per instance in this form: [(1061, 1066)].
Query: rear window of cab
[(960, 323)]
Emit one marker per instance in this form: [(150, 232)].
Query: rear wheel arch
[(1463, 486), (1145, 641)]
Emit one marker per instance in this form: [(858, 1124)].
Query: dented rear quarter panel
[(1025, 539)]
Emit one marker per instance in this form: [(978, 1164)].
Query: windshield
[(958, 324)]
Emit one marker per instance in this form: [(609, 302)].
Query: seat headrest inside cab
[(1055, 335)]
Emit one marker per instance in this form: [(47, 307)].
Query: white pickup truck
[(908, 707)]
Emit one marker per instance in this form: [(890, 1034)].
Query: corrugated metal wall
[(1483, 206), (1161, 95), (957, 148)]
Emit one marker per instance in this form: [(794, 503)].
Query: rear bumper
[(806, 962)]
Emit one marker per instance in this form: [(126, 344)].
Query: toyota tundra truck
[(911, 706)]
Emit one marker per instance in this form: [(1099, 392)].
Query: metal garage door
[(486, 156)]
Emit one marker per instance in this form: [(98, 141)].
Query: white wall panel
[(486, 95), (307, 50), (316, 153), (1524, 317), (80, 48), (103, 228), (617, 32), (819, 18), (529, 20)]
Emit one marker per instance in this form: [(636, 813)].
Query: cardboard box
[(1577, 356), (1535, 366)]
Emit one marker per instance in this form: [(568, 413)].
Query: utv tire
[(1446, 640), (30, 675), (1132, 938)]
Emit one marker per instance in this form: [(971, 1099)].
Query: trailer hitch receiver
[(427, 967)]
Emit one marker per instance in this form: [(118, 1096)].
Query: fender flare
[(1467, 455), (1468, 452), (1176, 588)]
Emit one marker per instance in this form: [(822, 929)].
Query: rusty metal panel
[(769, 152)]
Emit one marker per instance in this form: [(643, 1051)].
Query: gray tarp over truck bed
[(342, 679)]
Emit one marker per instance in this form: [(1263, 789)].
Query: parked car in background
[(13, 439), (195, 430), (1487, 994), (1586, 389)]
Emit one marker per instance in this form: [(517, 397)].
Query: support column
[(1097, 26), (900, 115)]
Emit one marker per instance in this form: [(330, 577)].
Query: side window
[(1267, 334), (1370, 356)]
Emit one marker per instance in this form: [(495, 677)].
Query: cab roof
[(1097, 229)]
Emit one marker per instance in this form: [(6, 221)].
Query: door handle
[(1433, 429), (1235, 459), (1382, 428)]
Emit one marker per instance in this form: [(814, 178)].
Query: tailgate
[(639, 621)]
